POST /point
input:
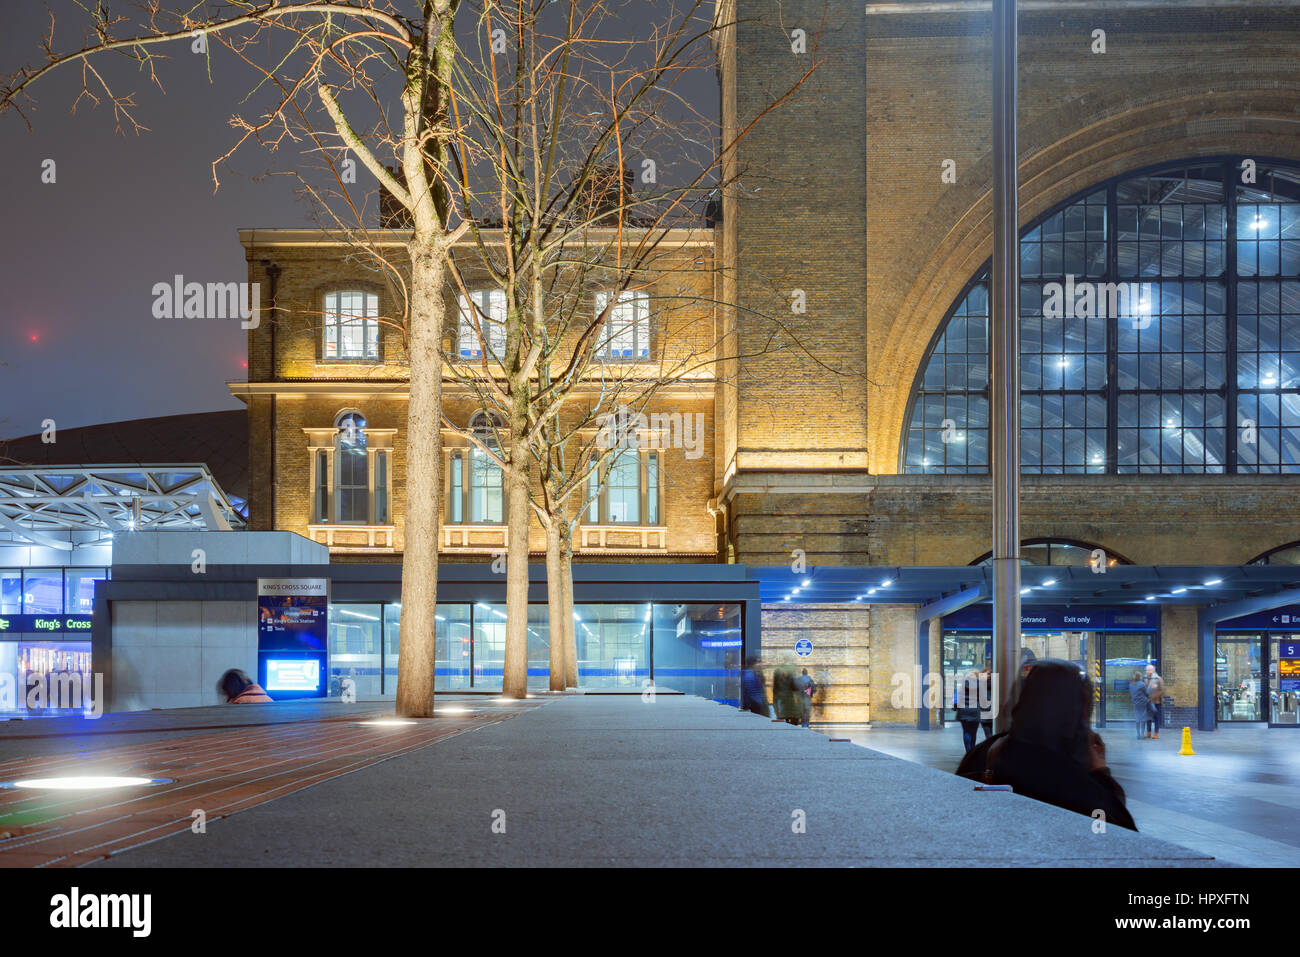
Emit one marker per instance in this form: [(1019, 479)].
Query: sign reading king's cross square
[(292, 636)]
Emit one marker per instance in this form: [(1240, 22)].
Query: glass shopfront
[(45, 623), (1108, 644), (693, 648), (1257, 668)]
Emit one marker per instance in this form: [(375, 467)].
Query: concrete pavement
[(600, 780)]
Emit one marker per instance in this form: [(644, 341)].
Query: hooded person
[(1051, 753)]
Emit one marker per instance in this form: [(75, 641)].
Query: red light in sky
[(35, 337), (244, 363)]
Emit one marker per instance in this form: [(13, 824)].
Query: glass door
[(962, 653), (1127, 655), (1239, 693), (1284, 680)]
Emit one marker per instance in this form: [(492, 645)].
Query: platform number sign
[(803, 647)]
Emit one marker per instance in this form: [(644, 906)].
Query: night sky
[(78, 341)]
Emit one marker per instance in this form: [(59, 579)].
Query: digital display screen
[(299, 674)]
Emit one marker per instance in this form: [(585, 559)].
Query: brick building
[(1157, 156)]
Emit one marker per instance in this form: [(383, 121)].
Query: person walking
[(806, 688), (965, 698), (753, 693), (1155, 694), (1137, 689), (784, 696)]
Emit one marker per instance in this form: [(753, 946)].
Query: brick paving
[(220, 773)]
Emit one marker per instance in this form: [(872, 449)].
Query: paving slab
[(594, 780)]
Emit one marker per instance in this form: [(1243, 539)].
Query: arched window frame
[(1265, 558), (1113, 558), (325, 465), (471, 472), (1247, 424)]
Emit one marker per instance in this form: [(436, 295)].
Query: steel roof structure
[(38, 505)]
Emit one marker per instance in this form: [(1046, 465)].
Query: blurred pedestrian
[(1155, 694), (238, 688), (753, 692), (1051, 753), (806, 688), (784, 695), (1137, 689), (973, 702)]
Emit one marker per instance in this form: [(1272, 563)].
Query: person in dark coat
[(753, 693), (1143, 713), (785, 697), (1051, 754), (805, 687), (973, 699), (237, 688)]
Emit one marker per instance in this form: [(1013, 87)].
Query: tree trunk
[(555, 605), (415, 666), (566, 596), (515, 681)]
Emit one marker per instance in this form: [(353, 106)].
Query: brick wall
[(840, 662)]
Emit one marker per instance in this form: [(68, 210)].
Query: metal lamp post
[(1004, 370)]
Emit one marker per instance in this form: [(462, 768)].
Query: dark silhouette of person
[(753, 693), (1051, 753), (237, 688)]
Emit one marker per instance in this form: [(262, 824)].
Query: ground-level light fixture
[(85, 782), (386, 722)]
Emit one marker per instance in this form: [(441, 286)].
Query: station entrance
[(1108, 644), (1257, 668)]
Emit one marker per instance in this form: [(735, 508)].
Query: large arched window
[(1159, 332), (1050, 551)]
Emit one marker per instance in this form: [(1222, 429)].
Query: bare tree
[(551, 120), (326, 65)]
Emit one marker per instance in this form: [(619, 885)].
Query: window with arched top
[(475, 481), (350, 472), (1044, 551), (1288, 554), (1159, 333)]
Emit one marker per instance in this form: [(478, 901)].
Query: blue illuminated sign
[(299, 674), (803, 647)]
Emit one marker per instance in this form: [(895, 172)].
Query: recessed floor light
[(387, 722), (85, 782)]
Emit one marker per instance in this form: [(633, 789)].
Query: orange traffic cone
[(1187, 742)]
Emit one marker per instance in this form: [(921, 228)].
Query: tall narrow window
[(456, 507), (322, 486), (623, 483), (627, 330), (484, 312), (652, 489), (351, 325), (381, 488), (352, 480), (476, 482)]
